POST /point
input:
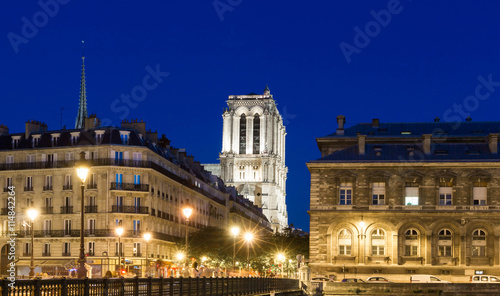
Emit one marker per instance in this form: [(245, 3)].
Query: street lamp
[(119, 231), (32, 214), (147, 237), (281, 258), (82, 170), (248, 239), (234, 230), (187, 211)]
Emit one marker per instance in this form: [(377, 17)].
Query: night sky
[(394, 60)]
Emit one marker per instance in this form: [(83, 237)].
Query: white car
[(425, 278), (484, 279), (377, 279)]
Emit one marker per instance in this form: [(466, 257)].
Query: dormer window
[(98, 136), (75, 136), (35, 141), (55, 139), (124, 135), (15, 142)]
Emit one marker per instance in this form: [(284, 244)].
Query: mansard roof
[(443, 152), (412, 129)]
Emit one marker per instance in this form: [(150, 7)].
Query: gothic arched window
[(256, 134), (411, 242), (378, 242), (345, 242), (479, 243), (243, 134), (445, 243)]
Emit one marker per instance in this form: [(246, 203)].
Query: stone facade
[(406, 198), (253, 154)]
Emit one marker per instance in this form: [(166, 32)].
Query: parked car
[(377, 279), (352, 280), (484, 279), (321, 279), (425, 278)]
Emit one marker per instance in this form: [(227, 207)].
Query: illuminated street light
[(119, 231), (179, 256), (32, 214), (187, 211), (234, 230), (147, 237), (82, 170), (281, 258), (248, 238)]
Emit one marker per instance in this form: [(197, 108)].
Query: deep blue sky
[(423, 61)]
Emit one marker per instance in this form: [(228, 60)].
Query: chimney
[(164, 142), (152, 136), (4, 130), (375, 122), (135, 124), (468, 119), (361, 144), (340, 122), (91, 122), (493, 143), (426, 143), (34, 126), (436, 119)]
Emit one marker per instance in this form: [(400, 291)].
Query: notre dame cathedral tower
[(253, 153)]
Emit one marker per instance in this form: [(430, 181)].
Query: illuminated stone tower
[(253, 153), (82, 108)]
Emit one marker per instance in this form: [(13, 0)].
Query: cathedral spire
[(82, 108), (267, 91)]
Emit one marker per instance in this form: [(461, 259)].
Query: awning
[(48, 262)]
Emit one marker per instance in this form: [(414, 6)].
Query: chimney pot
[(375, 122)]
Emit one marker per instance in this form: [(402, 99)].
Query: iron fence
[(148, 286)]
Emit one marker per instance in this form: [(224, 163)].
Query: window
[(69, 156), (29, 184), (137, 227), (137, 179), (67, 227), (137, 203), (48, 182), (345, 242), (98, 136), (118, 248), (479, 193), (243, 134), (8, 182), (91, 226), (137, 249), (119, 201), (345, 193), (46, 249), (91, 249), (67, 249), (118, 157), (445, 194), (35, 141), (411, 242), (378, 193), (256, 134), (55, 139), (9, 161), (15, 142), (411, 194), (378, 242), (118, 222), (75, 136), (67, 181), (47, 227), (479, 243), (27, 249), (30, 158), (119, 178), (125, 137), (445, 243)]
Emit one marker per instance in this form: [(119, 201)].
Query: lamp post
[(82, 170), (248, 239), (281, 258), (119, 231), (32, 214), (234, 230), (187, 211), (361, 237), (147, 237)]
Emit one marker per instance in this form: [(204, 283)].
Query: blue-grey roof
[(453, 129), (413, 153)]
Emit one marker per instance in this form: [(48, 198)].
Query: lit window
[(479, 193), (479, 243), (411, 194), (345, 242), (445, 194), (378, 242), (346, 193), (445, 242), (411, 242), (378, 193)]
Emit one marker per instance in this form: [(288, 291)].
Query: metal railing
[(129, 186), (129, 209), (67, 210), (149, 286), (90, 209)]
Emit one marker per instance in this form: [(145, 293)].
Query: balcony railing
[(4, 211), (90, 209), (68, 187), (6, 189), (48, 210), (129, 209), (91, 253), (129, 186), (47, 232), (92, 186), (123, 254), (137, 254), (26, 254), (44, 254), (67, 210), (47, 188), (66, 254), (28, 188)]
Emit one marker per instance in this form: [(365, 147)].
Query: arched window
[(243, 134), (445, 243), (345, 242), (256, 134), (378, 242), (479, 243), (411, 242)]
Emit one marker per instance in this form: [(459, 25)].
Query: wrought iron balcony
[(137, 254), (26, 254), (28, 188), (90, 209), (4, 211), (66, 254), (123, 254), (68, 187), (46, 254), (129, 186), (129, 209), (48, 210), (67, 210), (47, 188)]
